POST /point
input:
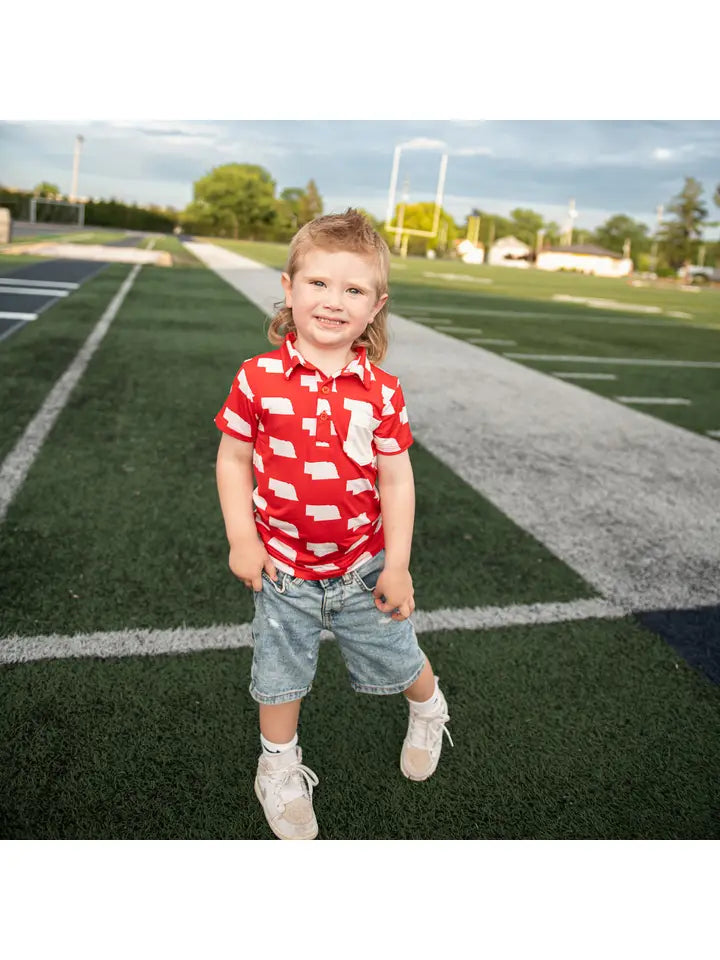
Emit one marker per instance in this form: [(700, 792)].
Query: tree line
[(238, 201)]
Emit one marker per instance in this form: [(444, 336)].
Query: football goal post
[(56, 211)]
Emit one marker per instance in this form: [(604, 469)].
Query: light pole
[(79, 140)]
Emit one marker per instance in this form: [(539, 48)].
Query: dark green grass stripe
[(33, 358), (589, 730), (118, 523)]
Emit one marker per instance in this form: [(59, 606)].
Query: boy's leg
[(278, 721), (424, 686), (426, 725)]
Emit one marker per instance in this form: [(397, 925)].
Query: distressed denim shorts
[(381, 654)]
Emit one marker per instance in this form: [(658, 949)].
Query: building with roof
[(585, 258), (509, 252)]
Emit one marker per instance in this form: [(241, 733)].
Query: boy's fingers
[(257, 583), (383, 605), (270, 569)]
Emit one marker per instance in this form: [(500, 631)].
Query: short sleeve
[(238, 416), (393, 435)]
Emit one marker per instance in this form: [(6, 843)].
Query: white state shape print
[(310, 382), (259, 501), (387, 444), (237, 423), (358, 486), (363, 558), (322, 549), (279, 405), (358, 542), (282, 548), (289, 528), (403, 415), (387, 393), (285, 491), (286, 568), (359, 521), (257, 462), (244, 385), (323, 406), (271, 364), (358, 445), (310, 424), (282, 448), (322, 470), (322, 511), (324, 567)]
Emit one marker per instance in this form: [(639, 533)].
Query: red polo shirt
[(316, 440)]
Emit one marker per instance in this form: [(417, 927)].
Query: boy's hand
[(395, 584), (248, 559)]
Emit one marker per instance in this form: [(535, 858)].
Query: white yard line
[(584, 376), (450, 328), (626, 361), (35, 292), (627, 500), (10, 281), (559, 316), (12, 329), (13, 315), (713, 433), (670, 401), (479, 341), (134, 643), (18, 462)]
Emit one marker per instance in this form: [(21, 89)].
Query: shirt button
[(323, 416), (325, 389)]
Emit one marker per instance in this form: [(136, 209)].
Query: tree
[(679, 236), (419, 216), (617, 229), (525, 225), (311, 204), (236, 200), (45, 189)]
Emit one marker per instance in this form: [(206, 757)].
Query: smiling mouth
[(330, 321)]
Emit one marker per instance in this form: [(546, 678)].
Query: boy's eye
[(354, 290), (316, 283)]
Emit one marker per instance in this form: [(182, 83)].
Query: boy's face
[(333, 297)]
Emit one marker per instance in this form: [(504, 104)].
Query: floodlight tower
[(572, 214), (654, 250), (79, 140)]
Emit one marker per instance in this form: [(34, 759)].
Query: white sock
[(274, 748), (424, 707)]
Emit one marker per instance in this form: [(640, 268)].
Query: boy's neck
[(328, 362)]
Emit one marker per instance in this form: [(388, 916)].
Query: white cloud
[(423, 143), (473, 152), (661, 153)]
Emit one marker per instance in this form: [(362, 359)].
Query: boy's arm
[(248, 556), (397, 505)]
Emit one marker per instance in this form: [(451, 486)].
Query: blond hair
[(353, 232)]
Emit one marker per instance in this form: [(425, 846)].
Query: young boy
[(319, 544)]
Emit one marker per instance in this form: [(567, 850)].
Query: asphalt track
[(626, 500), (46, 284)]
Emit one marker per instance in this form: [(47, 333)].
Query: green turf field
[(582, 729)]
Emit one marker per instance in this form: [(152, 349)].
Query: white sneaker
[(284, 787), (421, 749)]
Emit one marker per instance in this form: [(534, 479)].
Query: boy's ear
[(379, 305), (287, 287)]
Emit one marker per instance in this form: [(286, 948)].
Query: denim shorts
[(381, 654)]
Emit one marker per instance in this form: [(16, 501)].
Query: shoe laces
[(426, 732), (297, 774)]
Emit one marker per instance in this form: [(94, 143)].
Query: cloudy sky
[(608, 167)]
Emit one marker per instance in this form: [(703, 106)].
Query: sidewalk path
[(630, 502)]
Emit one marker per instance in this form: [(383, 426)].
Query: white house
[(509, 252), (586, 258), (471, 252)]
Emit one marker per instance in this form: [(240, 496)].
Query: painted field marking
[(453, 329), (713, 433), (12, 315), (455, 276), (16, 465), (560, 317), (133, 643), (671, 401), (10, 281), (36, 292), (12, 329), (628, 361), (496, 343), (584, 376)]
